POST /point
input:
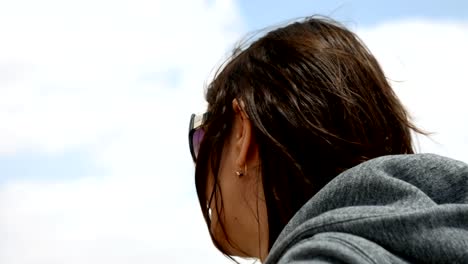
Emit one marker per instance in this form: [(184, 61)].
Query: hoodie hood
[(392, 209)]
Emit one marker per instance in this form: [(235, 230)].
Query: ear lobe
[(245, 139)]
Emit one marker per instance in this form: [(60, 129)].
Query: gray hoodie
[(392, 209)]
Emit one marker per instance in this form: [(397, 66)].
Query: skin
[(244, 214)]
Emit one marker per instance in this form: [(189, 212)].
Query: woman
[(305, 155)]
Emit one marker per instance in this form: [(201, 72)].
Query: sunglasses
[(196, 133)]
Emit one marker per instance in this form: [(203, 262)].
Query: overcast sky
[(96, 95)]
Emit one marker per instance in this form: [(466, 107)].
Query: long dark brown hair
[(319, 104)]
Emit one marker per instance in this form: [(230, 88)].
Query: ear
[(243, 137)]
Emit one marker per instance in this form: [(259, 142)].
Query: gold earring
[(241, 173)]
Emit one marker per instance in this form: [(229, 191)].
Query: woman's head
[(286, 115)]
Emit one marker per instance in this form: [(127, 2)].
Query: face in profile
[(235, 195)]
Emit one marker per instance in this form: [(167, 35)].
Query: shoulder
[(336, 247), (443, 179)]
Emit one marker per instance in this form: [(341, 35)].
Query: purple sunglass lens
[(196, 140)]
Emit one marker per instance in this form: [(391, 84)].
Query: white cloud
[(120, 80), (75, 71), (91, 221)]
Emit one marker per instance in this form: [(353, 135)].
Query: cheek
[(226, 211), (230, 209), (220, 218), (215, 210), (237, 217)]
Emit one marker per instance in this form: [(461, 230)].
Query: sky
[(96, 95)]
